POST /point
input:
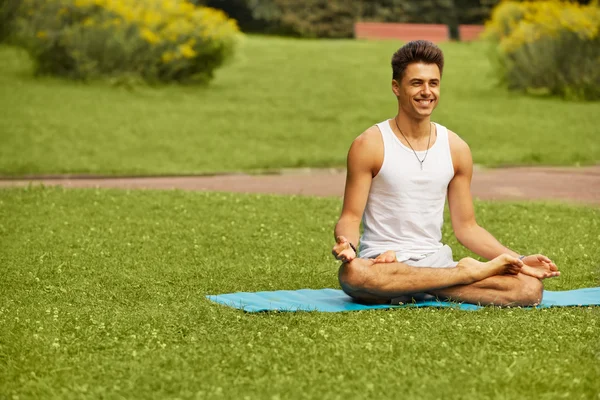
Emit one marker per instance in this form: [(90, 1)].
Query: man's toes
[(549, 274), (508, 259), (534, 272)]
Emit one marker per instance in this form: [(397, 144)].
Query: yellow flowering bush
[(156, 40), (548, 46)]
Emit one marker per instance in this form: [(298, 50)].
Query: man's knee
[(355, 280), (352, 276), (530, 291)]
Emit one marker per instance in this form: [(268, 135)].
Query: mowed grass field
[(103, 296), (281, 103)]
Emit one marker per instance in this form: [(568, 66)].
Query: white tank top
[(405, 208)]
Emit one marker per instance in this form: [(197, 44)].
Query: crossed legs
[(496, 282)]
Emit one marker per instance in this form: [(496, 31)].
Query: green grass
[(280, 103), (102, 296)]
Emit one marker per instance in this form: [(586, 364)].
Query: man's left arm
[(467, 230)]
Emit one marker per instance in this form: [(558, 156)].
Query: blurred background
[(123, 87)]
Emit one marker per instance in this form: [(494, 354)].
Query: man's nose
[(425, 90)]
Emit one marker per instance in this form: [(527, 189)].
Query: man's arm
[(465, 227), (467, 230), (364, 160)]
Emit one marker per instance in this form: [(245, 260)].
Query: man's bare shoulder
[(457, 143), (367, 150), (461, 153), (370, 137)]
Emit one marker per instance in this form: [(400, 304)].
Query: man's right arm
[(364, 160)]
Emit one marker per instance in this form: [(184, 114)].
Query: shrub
[(548, 46), (305, 18), (8, 13), (156, 40), (335, 18), (317, 18)]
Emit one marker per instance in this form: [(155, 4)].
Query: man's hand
[(539, 266), (342, 250), (387, 257)]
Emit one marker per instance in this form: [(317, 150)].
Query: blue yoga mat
[(333, 300)]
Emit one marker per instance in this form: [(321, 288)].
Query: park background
[(103, 290)]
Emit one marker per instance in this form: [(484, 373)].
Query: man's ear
[(396, 87)]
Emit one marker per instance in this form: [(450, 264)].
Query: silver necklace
[(428, 141)]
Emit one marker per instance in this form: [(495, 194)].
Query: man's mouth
[(424, 102)]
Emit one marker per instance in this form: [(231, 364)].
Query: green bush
[(317, 18), (427, 11), (305, 18), (8, 14), (155, 40), (548, 47)]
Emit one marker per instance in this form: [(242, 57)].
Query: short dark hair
[(414, 52)]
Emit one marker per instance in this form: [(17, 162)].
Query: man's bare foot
[(541, 271), (503, 264), (387, 257)]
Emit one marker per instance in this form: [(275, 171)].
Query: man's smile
[(425, 102)]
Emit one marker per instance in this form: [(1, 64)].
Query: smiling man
[(400, 172)]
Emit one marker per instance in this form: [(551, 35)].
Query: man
[(399, 174)]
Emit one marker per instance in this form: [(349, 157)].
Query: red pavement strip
[(579, 185), (406, 32)]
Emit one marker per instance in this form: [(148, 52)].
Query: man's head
[(417, 70)]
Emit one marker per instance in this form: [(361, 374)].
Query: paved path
[(580, 185)]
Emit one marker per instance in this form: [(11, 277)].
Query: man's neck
[(412, 128)]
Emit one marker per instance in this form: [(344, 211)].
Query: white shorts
[(440, 259)]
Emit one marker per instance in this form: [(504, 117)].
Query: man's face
[(419, 89)]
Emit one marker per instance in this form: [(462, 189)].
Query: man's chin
[(424, 113), (420, 113)]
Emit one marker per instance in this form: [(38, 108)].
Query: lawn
[(281, 103), (102, 296)]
